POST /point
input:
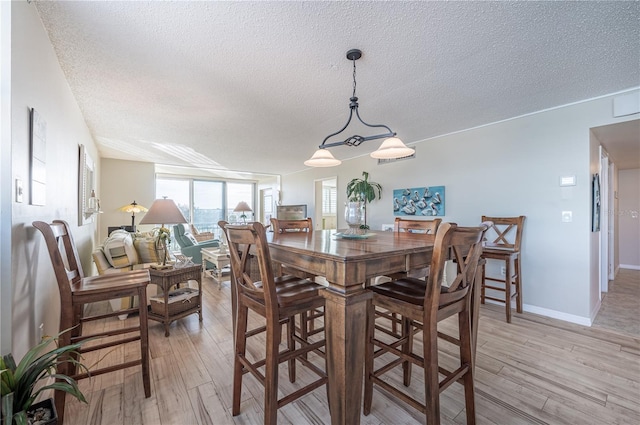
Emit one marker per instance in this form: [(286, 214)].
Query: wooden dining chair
[(278, 300), (503, 244), (422, 304), (303, 225), (76, 291), (426, 227)]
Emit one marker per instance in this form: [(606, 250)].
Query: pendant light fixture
[(391, 148)]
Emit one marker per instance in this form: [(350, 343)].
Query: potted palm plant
[(19, 382), (360, 192)]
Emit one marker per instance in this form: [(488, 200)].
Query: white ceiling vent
[(388, 161)]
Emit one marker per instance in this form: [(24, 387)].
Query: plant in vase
[(18, 382), (163, 238), (360, 192)]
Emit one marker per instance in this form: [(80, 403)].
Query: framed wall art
[(38, 160), (595, 203), (420, 201)]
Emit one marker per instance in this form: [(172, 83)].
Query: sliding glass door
[(205, 202)]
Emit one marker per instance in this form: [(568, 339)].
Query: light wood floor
[(533, 371)]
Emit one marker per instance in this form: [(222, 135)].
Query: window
[(329, 200), (205, 202)]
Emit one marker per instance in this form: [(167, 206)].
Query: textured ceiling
[(258, 85)]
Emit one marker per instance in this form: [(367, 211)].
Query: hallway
[(620, 310)]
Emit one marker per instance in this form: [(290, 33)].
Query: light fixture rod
[(391, 147), (355, 140)]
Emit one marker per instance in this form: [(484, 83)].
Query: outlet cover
[(567, 216)]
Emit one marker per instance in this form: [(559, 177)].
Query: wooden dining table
[(348, 265)]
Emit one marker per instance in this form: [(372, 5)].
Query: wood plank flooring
[(535, 370)]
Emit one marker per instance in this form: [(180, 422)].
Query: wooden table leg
[(345, 326)]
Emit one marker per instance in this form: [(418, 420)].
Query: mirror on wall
[(88, 204)]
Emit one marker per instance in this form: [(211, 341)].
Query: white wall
[(5, 177), (628, 218), (122, 183), (38, 82), (504, 169)]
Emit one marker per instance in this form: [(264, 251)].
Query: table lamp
[(243, 207), (163, 211), (133, 208)]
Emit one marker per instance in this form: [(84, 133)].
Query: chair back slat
[(505, 232), (280, 226), (245, 241), (417, 226), (64, 255), (463, 245)]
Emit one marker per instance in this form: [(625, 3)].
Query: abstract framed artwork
[(595, 203), (422, 201), (38, 160)]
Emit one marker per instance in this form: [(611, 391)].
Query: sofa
[(123, 251), (189, 245)]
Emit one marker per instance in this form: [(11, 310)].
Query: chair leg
[(144, 340), (62, 368), (304, 331), (241, 347), (466, 358), (368, 359), (507, 290), (274, 333), (482, 290), (291, 344), (518, 281), (431, 379), (407, 347)]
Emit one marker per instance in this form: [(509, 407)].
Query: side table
[(168, 278), (218, 259)]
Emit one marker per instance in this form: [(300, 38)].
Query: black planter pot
[(43, 413)]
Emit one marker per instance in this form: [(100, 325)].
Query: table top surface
[(330, 245)]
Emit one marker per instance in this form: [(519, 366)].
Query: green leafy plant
[(363, 190), (18, 383)]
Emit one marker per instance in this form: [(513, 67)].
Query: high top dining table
[(348, 265)]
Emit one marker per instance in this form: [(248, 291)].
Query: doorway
[(326, 196), (605, 231)]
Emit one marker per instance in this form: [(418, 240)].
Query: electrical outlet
[(503, 271), (40, 331)]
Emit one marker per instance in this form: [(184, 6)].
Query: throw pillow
[(119, 251), (146, 248), (192, 240)]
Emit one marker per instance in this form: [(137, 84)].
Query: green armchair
[(189, 246)]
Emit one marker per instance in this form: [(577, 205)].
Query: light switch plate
[(567, 216)]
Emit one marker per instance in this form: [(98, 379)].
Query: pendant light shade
[(392, 148), (322, 158)]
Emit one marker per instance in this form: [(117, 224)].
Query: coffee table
[(218, 259)]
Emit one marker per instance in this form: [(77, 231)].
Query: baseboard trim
[(629, 266), (554, 314)]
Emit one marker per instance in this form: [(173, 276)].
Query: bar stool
[(422, 304), (76, 291), (503, 244), (278, 300)]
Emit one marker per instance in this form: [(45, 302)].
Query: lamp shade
[(242, 207), (322, 158), (392, 148), (163, 211), (133, 207)]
